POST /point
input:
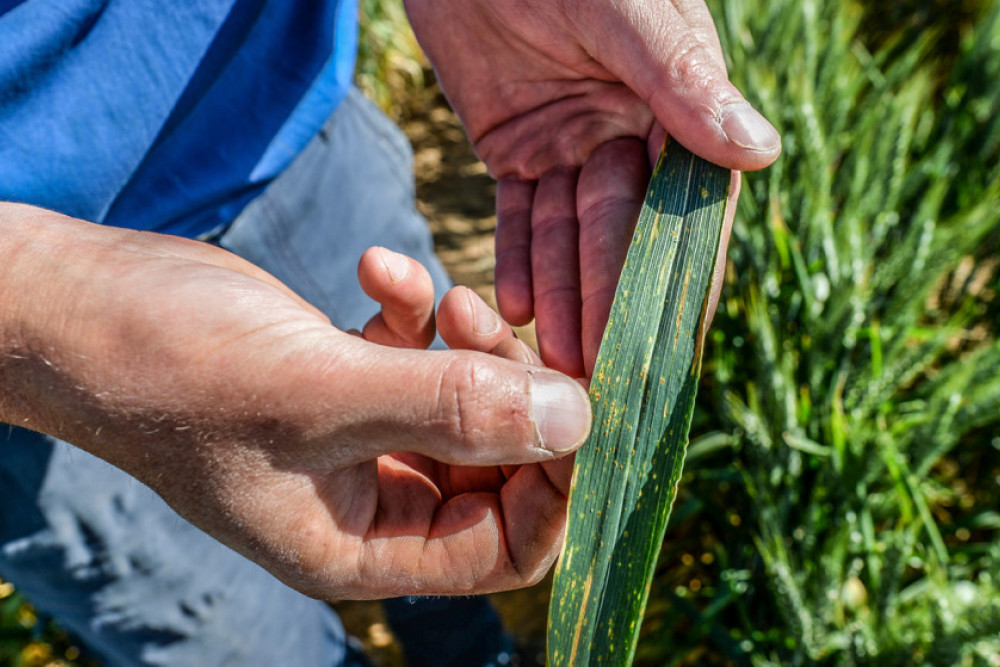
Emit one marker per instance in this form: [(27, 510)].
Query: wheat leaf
[(643, 391)]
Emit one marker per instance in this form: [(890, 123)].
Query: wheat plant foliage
[(390, 64), (854, 366), (643, 393)]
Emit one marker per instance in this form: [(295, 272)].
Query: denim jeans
[(107, 558)]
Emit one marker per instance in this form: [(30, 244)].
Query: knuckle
[(458, 400), (692, 79), (476, 407), (691, 68), (690, 64)]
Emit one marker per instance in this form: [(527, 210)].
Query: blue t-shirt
[(167, 115)]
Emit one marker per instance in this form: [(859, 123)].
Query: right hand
[(348, 468), (568, 104)]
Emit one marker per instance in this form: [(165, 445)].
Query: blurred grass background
[(391, 67), (840, 502)]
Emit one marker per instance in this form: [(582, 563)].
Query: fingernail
[(748, 129), (560, 410), (484, 321), (397, 265), (528, 355)]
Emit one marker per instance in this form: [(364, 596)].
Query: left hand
[(568, 103)]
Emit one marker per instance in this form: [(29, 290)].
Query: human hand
[(347, 468), (567, 103)]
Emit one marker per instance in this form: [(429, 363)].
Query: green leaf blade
[(643, 393)]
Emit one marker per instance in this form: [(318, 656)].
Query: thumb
[(460, 407), (668, 53)]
